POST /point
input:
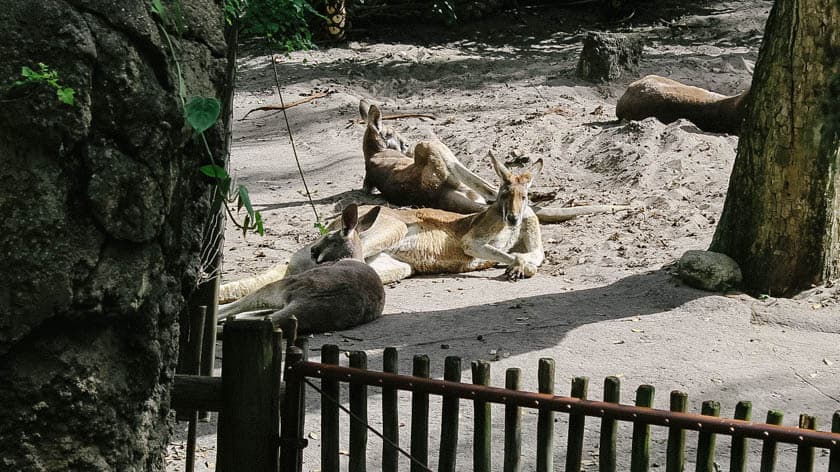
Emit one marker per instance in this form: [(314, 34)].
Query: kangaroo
[(331, 289), (431, 175), (668, 100)]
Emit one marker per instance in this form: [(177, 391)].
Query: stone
[(104, 207), (606, 55), (707, 270)]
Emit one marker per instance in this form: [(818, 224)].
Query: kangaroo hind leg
[(467, 177), (389, 269)]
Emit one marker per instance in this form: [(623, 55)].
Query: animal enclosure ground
[(605, 301)]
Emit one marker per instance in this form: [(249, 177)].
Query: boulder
[(709, 270)]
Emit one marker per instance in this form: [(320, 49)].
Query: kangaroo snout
[(316, 254), (512, 220)]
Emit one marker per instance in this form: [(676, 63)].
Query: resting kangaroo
[(668, 100), (337, 290), (433, 176)]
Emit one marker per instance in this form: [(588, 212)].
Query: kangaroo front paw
[(520, 270)]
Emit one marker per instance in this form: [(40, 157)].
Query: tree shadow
[(548, 318)]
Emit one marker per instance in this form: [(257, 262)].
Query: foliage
[(201, 113), (44, 75), (283, 22)]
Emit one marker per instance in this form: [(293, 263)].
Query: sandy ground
[(605, 302)]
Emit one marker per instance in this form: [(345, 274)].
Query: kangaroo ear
[(350, 217), (500, 168), (374, 118), (536, 168), (368, 219), (364, 106)]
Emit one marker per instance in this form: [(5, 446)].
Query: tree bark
[(781, 219), (103, 207)]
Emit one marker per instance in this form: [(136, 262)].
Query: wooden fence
[(250, 392)]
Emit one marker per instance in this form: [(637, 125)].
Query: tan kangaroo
[(668, 100), (336, 291), (433, 177)]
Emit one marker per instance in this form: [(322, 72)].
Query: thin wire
[(374, 431), (292, 139)]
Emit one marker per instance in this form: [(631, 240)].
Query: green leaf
[(258, 219), (28, 73), (159, 10), (212, 170), (66, 95), (245, 200), (321, 228), (202, 112)]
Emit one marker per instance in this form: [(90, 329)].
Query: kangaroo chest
[(434, 249)]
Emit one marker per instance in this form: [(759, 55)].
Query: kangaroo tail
[(550, 215), (235, 290)]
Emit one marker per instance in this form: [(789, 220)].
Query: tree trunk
[(103, 207), (781, 219)]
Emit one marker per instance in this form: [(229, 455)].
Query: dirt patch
[(605, 301)]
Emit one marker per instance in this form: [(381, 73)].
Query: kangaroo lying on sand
[(433, 176), (669, 100), (336, 291)]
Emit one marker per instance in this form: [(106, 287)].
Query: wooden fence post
[(482, 420), (805, 454), (706, 440), (294, 411), (768, 449), (640, 454), (513, 426), (277, 385), (330, 393), (194, 366), (420, 416), (675, 452), (609, 427), (449, 418), (738, 455), (390, 413), (834, 457), (577, 423), (247, 439), (359, 416), (545, 417)]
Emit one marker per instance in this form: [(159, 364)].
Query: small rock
[(707, 270)]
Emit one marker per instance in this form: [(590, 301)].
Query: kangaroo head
[(383, 136), (344, 243), (512, 198)]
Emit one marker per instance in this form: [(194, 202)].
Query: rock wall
[(103, 211)]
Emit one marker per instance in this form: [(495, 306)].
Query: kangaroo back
[(333, 296), (669, 100)]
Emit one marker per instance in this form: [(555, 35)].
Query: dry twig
[(314, 96)]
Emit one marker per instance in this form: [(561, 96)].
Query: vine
[(201, 113)]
